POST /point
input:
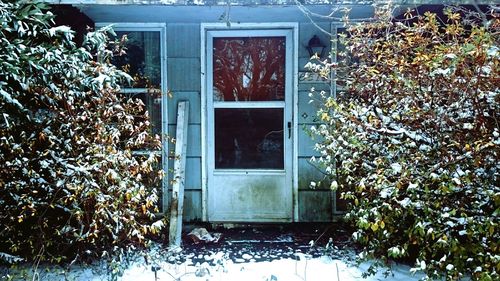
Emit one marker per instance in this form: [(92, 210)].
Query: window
[(249, 69), (143, 61), (249, 100)]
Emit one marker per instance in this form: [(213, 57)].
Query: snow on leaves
[(70, 184), (412, 140)]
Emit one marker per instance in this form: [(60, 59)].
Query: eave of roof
[(259, 2)]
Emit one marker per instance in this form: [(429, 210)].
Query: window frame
[(162, 29)]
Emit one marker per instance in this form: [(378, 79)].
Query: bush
[(70, 185), (412, 140)]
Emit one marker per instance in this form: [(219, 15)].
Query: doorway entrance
[(249, 92)]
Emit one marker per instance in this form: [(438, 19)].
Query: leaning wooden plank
[(177, 202)]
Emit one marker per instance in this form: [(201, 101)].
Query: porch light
[(315, 46)]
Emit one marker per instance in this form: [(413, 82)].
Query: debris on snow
[(201, 234)]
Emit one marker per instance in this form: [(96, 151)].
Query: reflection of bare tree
[(249, 68)]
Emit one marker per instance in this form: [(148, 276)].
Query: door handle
[(289, 125)]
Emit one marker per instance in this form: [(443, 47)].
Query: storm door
[(249, 125)]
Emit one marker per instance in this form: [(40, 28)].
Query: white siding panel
[(305, 87), (306, 141)]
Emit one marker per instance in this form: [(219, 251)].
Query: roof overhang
[(237, 11), (196, 14), (262, 2)]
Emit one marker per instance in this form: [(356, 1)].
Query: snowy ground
[(280, 257), (322, 268)]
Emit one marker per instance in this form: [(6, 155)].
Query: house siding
[(314, 204), (184, 68)]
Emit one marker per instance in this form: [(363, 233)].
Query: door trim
[(206, 27)]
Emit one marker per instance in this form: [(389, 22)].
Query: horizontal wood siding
[(193, 139), (183, 40), (194, 106), (183, 66), (182, 73), (314, 204), (192, 205), (193, 173)]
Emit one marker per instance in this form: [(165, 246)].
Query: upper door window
[(249, 69), (248, 98)]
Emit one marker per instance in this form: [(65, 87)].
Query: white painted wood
[(193, 176), (315, 205), (242, 194), (231, 195), (249, 104), (184, 41), (177, 202), (134, 26), (306, 114), (192, 203), (251, 12), (333, 93), (308, 77), (306, 143), (306, 31), (254, 172), (203, 81), (134, 90), (248, 26), (295, 110), (193, 139), (164, 112)]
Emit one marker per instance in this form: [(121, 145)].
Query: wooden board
[(177, 202)]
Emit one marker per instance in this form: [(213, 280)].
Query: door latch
[(289, 125)]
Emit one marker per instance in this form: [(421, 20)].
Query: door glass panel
[(249, 69), (249, 138), (142, 58)]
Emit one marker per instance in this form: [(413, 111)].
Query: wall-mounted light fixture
[(315, 46)]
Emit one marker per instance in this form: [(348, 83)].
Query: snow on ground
[(240, 255), (302, 268), (322, 268)]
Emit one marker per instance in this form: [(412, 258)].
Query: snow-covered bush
[(70, 185), (412, 140)]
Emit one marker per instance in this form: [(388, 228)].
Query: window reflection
[(249, 138), (142, 58), (249, 69)]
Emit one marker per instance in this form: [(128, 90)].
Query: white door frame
[(205, 28)]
